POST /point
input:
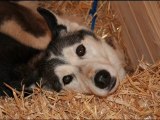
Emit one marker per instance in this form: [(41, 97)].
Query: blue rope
[(92, 12)]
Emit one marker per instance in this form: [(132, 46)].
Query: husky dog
[(24, 34), (71, 58), (80, 61)]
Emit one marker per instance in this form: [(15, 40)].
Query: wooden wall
[(140, 28)]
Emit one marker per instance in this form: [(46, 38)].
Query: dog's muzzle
[(104, 80)]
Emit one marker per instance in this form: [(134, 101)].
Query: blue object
[(92, 12)]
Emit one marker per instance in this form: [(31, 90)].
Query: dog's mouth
[(112, 84)]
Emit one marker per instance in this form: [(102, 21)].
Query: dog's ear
[(52, 22), (49, 17)]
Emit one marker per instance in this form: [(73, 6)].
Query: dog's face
[(78, 60)]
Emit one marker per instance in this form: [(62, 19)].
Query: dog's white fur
[(99, 55)]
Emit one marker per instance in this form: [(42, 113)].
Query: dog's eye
[(81, 50), (67, 79)]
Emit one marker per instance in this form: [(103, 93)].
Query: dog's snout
[(102, 79)]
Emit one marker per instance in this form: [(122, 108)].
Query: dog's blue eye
[(81, 50), (67, 79)]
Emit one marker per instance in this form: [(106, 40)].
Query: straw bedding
[(138, 95)]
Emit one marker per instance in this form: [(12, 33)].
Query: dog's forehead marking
[(69, 39), (66, 69), (50, 65)]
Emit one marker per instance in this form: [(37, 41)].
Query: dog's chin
[(106, 91)]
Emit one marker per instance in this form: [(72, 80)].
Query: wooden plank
[(126, 36), (140, 29)]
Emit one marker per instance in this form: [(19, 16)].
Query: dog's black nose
[(102, 79)]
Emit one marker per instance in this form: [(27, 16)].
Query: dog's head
[(78, 60)]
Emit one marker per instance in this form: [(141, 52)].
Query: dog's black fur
[(14, 58), (19, 63)]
